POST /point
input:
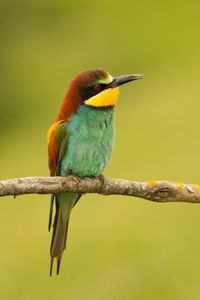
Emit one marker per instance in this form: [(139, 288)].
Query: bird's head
[(99, 89), (96, 88)]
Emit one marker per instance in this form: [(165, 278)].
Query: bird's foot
[(76, 179), (103, 181)]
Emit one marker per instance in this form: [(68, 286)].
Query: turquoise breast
[(90, 142)]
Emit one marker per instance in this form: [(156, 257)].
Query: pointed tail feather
[(51, 211), (59, 238)]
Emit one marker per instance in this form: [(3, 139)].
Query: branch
[(158, 191)]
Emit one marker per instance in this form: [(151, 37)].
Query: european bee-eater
[(80, 142)]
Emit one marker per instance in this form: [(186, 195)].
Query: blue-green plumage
[(90, 142), (90, 135)]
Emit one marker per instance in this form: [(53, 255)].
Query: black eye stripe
[(91, 91)]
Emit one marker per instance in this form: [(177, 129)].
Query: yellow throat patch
[(107, 97)]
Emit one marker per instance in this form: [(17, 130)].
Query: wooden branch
[(159, 191)]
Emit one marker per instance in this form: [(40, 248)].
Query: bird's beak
[(119, 80)]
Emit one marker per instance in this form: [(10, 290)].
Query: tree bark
[(158, 191)]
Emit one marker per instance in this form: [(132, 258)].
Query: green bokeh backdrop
[(118, 247)]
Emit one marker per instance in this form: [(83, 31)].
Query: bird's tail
[(59, 237)]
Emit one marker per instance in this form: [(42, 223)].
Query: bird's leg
[(103, 181), (76, 179)]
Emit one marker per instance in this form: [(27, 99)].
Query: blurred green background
[(118, 247)]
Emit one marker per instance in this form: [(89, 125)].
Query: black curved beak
[(119, 80)]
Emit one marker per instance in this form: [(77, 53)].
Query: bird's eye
[(97, 87)]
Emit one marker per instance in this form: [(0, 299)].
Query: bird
[(80, 143)]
